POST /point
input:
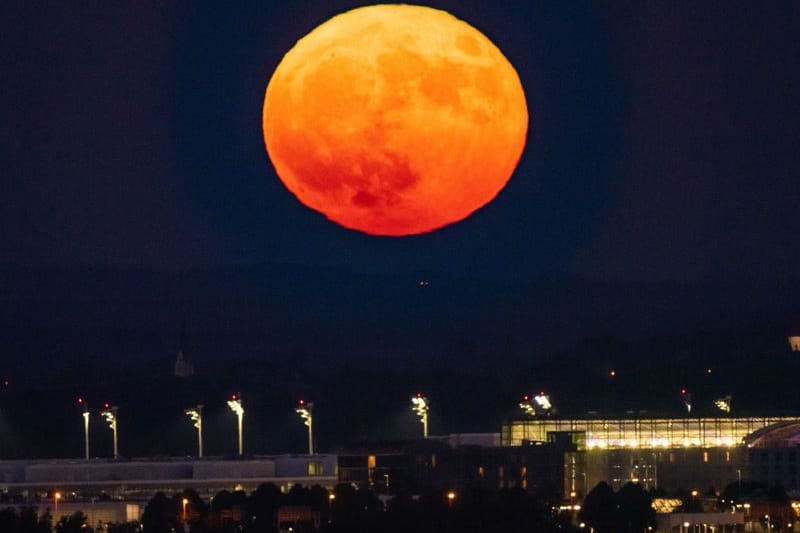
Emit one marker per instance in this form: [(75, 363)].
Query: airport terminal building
[(668, 453)]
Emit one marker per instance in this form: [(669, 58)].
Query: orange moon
[(395, 119)]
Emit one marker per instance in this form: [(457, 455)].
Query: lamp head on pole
[(235, 403), (304, 409), (109, 412), (196, 414), (420, 405)]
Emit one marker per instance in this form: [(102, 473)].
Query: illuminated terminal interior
[(616, 433)]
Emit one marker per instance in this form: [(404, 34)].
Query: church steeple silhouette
[(184, 366)]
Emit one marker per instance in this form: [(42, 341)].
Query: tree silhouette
[(599, 509), (74, 523), (634, 509), (161, 515)]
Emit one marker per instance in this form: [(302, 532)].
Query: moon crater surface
[(395, 119)]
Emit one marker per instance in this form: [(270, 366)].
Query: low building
[(685, 522), (774, 456), (140, 479), (434, 464)]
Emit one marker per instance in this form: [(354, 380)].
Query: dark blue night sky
[(663, 142), (651, 228)]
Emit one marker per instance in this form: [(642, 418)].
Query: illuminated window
[(705, 456), (481, 472), (727, 457), (371, 461), (794, 344), (523, 471), (500, 472), (433, 460), (315, 468)]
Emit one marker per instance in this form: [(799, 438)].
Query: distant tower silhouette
[(184, 367)]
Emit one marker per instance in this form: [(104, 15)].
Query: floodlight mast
[(420, 405), (110, 414), (536, 404), (235, 403), (724, 404), (686, 398), (85, 415), (196, 415), (305, 410)]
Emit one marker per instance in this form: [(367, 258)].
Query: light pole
[(304, 409), (110, 414), (419, 404), (235, 403), (724, 404), (686, 398), (184, 502), (85, 427), (527, 406), (746, 507), (196, 414), (331, 497), (533, 404), (56, 497)]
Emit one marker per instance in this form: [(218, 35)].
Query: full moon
[(395, 119)]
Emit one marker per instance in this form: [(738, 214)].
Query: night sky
[(651, 227), (662, 145)]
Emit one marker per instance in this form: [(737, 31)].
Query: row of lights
[(540, 404), (195, 414), (654, 443), (419, 404)]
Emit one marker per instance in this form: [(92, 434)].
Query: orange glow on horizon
[(395, 119)]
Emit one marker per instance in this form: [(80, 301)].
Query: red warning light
[(80, 400), (106, 405), (302, 402), (683, 391)]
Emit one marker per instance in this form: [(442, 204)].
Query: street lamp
[(196, 414), (686, 398), (304, 409), (451, 496), (235, 403), (527, 406), (56, 497), (419, 404), (110, 414), (331, 497), (85, 426), (184, 502)]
